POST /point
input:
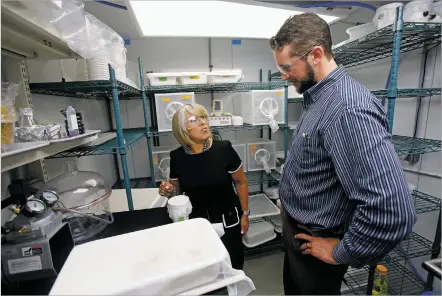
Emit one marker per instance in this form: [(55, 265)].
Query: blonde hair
[(178, 125)]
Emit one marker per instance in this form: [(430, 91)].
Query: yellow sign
[(252, 149), (186, 97), (166, 99), (194, 77), (279, 93), (155, 159)]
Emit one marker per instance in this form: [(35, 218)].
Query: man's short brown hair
[(303, 32)]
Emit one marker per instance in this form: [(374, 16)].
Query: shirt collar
[(314, 92), (206, 147)]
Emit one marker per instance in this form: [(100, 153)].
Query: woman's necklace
[(206, 147)]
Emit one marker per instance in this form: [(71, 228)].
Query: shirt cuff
[(342, 256)]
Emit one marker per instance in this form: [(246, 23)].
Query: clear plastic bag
[(28, 130), (10, 92)]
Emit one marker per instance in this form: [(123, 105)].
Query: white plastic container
[(237, 120), (41, 71), (261, 155), (157, 79), (166, 106), (192, 78), (277, 223), (418, 11), (386, 15), (436, 12), (164, 260), (225, 76), (161, 162), (260, 107), (241, 150), (272, 192), (179, 208), (258, 233), (411, 187), (360, 31), (261, 206)]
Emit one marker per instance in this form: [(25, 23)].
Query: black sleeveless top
[(206, 179)]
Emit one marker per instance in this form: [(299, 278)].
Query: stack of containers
[(197, 77)]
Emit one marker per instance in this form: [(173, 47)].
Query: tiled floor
[(266, 273)]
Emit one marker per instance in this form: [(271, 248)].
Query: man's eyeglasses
[(286, 68)]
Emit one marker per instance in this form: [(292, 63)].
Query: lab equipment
[(166, 106)]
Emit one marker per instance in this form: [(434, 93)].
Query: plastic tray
[(259, 233), (261, 206), (166, 260), (277, 223), (87, 133)]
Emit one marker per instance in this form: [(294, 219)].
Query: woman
[(204, 170)]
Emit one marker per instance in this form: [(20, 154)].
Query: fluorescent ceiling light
[(211, 19)]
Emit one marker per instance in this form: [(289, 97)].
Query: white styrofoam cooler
[(166, 106), (261, 155), (258, 233), (225, 76), (156, 79), (161, 162), (191, 78), (385, 15), (261, 206), (257, 106), (360, 31), (240, 148), (167, 260), (418, 11)]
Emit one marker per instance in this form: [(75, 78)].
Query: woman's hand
[(244, 224), (166, 188)]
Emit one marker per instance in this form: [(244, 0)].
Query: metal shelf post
[(146, 120), (122, 147), (392, 86), (286, 120)]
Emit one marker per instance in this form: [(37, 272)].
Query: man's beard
[(308, 82)]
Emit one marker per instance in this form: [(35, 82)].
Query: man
[(344, 196)]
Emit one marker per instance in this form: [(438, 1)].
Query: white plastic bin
[(258, 233), (164, 260), (259, 107), (179, 208), (261, 206), (240, 148), (385, 15), (166, 106), (225, 76), (192, 78), (261, 155), (418, 11), (272, 192), (156, 79), (360, 31), (161, 162), (277, 223), (436, 10)]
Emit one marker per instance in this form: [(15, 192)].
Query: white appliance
[(220, 120), (161, 162), (166, 106), (217, 107), (240, 148), (262, 107), (261, 155)]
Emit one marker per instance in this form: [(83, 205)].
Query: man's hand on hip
[(319, 247)]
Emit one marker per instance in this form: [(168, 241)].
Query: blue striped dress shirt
[(342, 174)]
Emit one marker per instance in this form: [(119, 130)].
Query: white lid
[(261, 206), (225, 72), (155, 75), (179, 200), (141, 262)]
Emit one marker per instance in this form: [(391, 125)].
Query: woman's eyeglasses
[(194, 121)]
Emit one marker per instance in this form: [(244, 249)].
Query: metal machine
[(36, 242)]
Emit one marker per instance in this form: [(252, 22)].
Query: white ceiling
[(124, 23)]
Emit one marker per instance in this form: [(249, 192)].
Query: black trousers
[(305, 274), (232, 240)]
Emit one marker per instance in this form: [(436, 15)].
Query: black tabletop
[(124, 222)]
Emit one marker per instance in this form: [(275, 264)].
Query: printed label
[(26, 264), (30, 251), (155, 159), (279, 93), (166, 99), (195, 77), (162, 78), (187, 97), (252, 149), (74, 122), (229, 76)]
